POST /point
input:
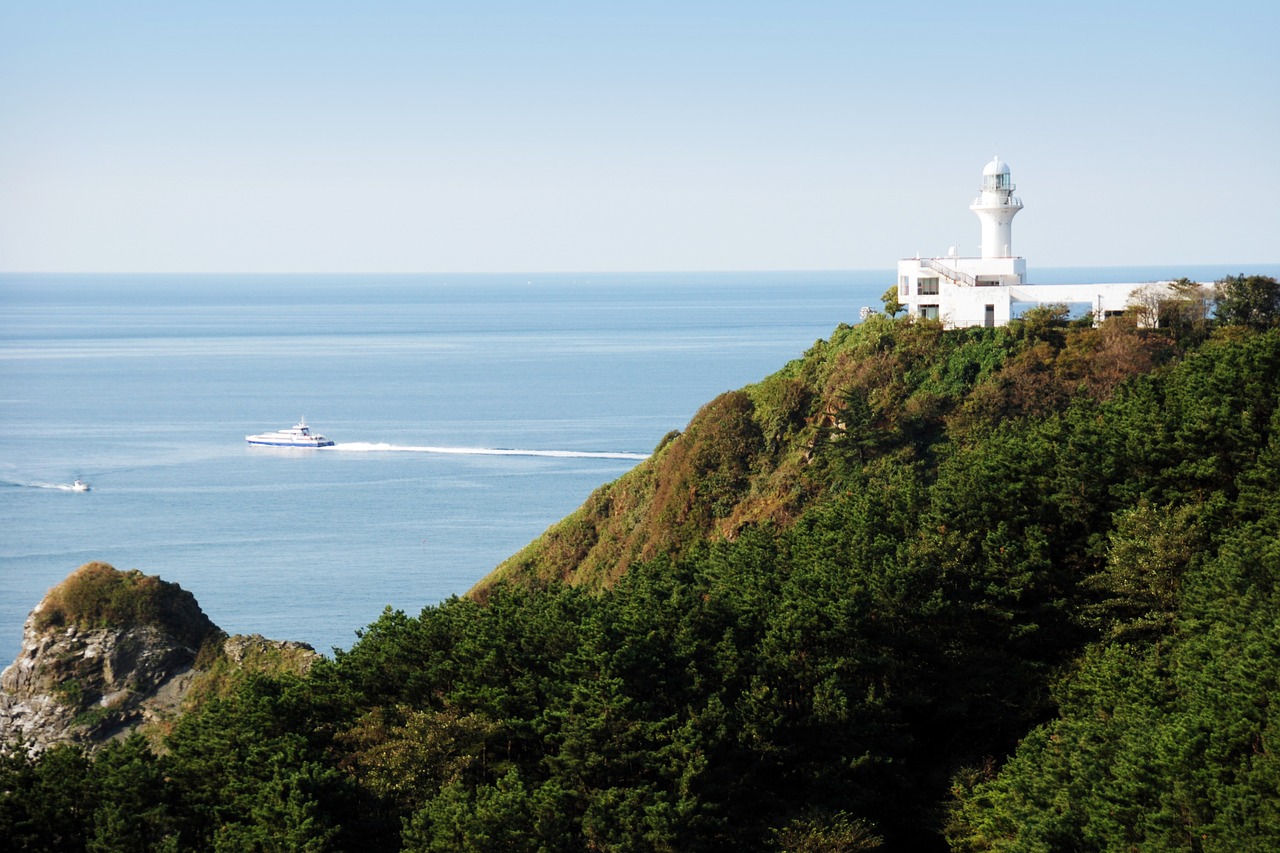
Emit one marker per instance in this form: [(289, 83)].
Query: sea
[(469, 413)]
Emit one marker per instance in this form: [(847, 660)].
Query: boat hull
[(269, 443)]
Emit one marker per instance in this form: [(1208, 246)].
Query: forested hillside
[(986, 589)]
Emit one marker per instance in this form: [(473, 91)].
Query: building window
[(904, 285), (928, 312), (989, 317), (997, 182), (929, 286)]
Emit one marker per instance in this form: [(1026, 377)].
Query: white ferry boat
[(299, 435)]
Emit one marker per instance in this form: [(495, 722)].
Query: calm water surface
[(146, 386)]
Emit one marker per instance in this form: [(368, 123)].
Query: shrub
[(98, 596)]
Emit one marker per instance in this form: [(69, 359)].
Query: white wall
[(961, 305)]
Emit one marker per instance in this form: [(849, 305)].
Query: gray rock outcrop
[(106, 652)]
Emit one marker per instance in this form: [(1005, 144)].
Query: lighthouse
[(996, 208), (992, 290), (971, 291)]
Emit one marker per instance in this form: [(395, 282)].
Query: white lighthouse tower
[(996, 208)]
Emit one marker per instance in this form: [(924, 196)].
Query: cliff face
[(685, 491), (743, 460), (106, 652), (882, 388), (85, 686)]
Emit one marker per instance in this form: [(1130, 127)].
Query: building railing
[(1011, 201), (955, 275)]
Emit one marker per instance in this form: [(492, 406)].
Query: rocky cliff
[(106, 652)]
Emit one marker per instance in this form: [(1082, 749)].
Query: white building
[(992, 289)]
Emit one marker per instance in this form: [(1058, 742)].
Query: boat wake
[(381, 447), (77, 486)]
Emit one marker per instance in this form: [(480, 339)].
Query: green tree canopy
[(1252, 300)]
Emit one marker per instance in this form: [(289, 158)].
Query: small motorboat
[(299, 435), (79, 486)]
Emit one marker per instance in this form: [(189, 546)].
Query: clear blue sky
[(494, 136)]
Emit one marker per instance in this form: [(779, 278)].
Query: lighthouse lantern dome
[(995, 176)]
